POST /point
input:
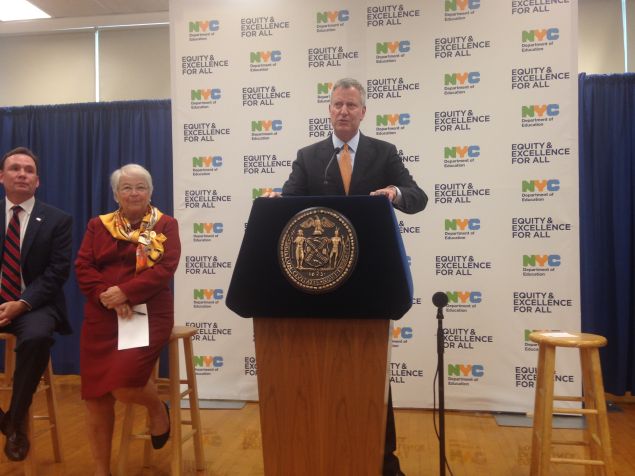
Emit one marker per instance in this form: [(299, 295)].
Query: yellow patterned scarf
[(149, 243)]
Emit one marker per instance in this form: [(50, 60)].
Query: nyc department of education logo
[(318, 250)]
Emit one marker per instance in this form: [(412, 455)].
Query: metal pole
[(441, 386)]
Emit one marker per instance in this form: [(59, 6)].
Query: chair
[(45, 386), (596, 434), (173, 386)]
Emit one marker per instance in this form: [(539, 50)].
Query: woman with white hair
[(127, 258)]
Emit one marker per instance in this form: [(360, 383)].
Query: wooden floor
[(475, 444)]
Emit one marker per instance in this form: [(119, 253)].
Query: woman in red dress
[(127, 258)]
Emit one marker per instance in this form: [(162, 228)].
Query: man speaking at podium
[(364, 165), (350, 163)]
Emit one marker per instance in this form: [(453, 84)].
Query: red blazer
[(103, 261)]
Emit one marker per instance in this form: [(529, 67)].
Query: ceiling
[(92, 8), (82, 14)]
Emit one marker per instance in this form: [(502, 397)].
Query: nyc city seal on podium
[(318, 250)]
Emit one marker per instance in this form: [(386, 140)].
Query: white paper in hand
[(134, 332)]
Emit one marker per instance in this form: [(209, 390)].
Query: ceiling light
[(20, 10)]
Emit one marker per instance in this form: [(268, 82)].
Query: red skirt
[(103, 368)]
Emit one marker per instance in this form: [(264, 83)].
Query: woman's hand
[(124, 311), (113, 297)]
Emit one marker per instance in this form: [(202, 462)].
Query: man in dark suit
[(32, 304), (377, 169)]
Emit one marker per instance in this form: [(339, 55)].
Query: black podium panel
[(379, 288)]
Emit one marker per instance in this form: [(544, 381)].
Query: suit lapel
[(325, 149), (363, 156), (35, 221)]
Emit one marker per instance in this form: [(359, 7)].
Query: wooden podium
[(322, 359)]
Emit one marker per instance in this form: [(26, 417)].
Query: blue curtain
[(607, 221), (79, 145)]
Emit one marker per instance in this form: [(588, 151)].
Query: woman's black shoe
[(159, 441)]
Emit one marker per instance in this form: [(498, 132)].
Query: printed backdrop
[(480, 97)]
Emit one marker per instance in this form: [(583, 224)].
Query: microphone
[(335, 152), (440, 300)]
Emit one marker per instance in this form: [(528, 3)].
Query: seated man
[(36, 259)]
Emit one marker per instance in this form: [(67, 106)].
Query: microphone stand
[(335, 152), (441, 387)]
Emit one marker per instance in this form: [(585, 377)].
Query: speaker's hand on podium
[(271, 194), (391, 192)]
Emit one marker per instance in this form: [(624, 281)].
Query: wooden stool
[(46, 386), (173, 386), (596, 434)]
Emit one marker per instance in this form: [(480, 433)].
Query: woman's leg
[(149, 398), (101, 421)]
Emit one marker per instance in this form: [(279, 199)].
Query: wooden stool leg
[(126, 439), (175, 409), (547, 421), (51, 402), (590, 431), (7, 379), (543, 412), (539, 408), (147, 445), (29, 461), (603, 425), (195, 413)]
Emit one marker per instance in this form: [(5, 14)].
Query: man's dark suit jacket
[(377, 165), (46, 259)]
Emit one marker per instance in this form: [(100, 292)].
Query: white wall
[(134, 64), (58, 68), (47, 69), (630, 9), (601, 42)]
